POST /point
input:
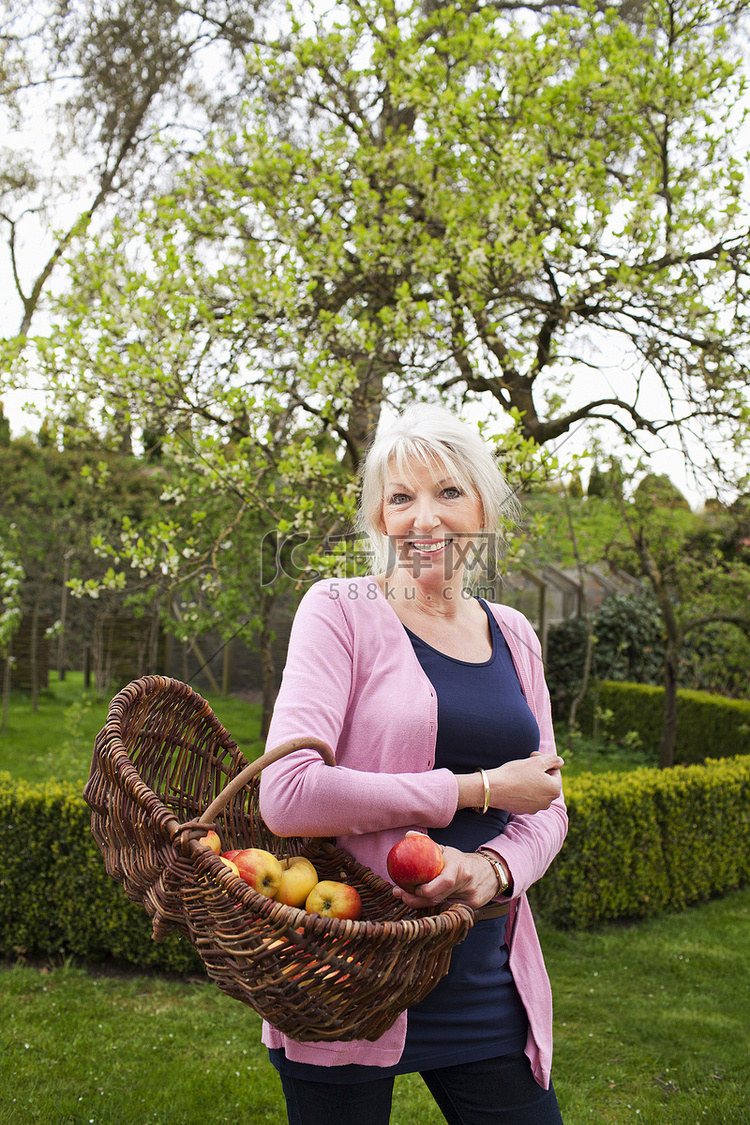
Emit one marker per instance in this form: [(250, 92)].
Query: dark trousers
[(500, 1091)]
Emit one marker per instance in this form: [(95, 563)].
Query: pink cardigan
[(353, 680)]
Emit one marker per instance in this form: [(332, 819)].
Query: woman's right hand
[(525, 785)]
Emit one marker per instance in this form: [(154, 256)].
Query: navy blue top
[(474, 1012)]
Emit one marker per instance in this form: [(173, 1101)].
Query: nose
[(425, 518)]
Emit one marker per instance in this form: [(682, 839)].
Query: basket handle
[(255, 767)]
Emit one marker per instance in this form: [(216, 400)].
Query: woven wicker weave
[(163, 769)]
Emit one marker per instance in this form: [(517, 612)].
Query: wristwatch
[(502, 879)]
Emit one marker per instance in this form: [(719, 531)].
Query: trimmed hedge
[(647, 841), (56, 898), (638, 843), (708, 726)]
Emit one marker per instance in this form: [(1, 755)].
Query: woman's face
[(430, 520)]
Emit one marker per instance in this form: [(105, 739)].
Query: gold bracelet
[(502, 879), (486, 781)]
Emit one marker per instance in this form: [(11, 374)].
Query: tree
[(106, 99), (695, 586), (471, 201), (11, 580), (52, 502), (242, 525), (658, 489), (692, 618)]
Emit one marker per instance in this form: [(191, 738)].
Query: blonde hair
[(431, 435)]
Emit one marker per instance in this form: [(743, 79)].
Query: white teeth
[(430, 546)]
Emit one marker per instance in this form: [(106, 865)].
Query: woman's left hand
[(466, 877)]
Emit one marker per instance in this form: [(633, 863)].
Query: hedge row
[(56, 898), (638, 843), (649, 840), (708, 726)]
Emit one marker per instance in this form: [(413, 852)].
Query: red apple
[(231, 853), (260, 869), (211, 840), (334, 900), (415, 859)]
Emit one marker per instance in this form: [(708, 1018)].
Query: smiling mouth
[(429, 547)]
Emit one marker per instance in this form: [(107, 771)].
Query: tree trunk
[(672, 655), (4, 710), (34, 658), (226, 669), (590, 636), (579, 697), (267, 666), (204, 668), (204, 664), (63, 616), (364, 410), (669, 722), (152, 660)]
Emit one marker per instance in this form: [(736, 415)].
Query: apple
[(211, 840), (230, 864), (298, 877), (334, 900), (290, 860), (260, 869), (415, 859), (231, 853)]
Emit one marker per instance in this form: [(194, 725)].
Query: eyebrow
[(391, 484)]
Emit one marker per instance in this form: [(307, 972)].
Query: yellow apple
[(297, 880), (260, 869), (212, 841), (230, 864), (334, 900), (289, 861)]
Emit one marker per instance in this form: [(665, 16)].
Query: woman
[(435, 705)]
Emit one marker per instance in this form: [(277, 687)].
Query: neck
[(407, 594)]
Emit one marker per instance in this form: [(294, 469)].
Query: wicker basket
[(163, 769)]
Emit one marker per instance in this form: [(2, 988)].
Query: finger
[(439, 888), (414, 900), (550, 761)]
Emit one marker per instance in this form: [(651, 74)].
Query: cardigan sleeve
[(531, 841), (300, 795)]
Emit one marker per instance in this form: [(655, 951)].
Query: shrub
[(638, 843), (647, 841), (708, 726), (55, 895), (629, 646), (715, 658)]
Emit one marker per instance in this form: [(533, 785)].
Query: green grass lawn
[(56, 742), (651, 1026)]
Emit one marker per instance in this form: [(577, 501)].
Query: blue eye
[(452, 492)]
